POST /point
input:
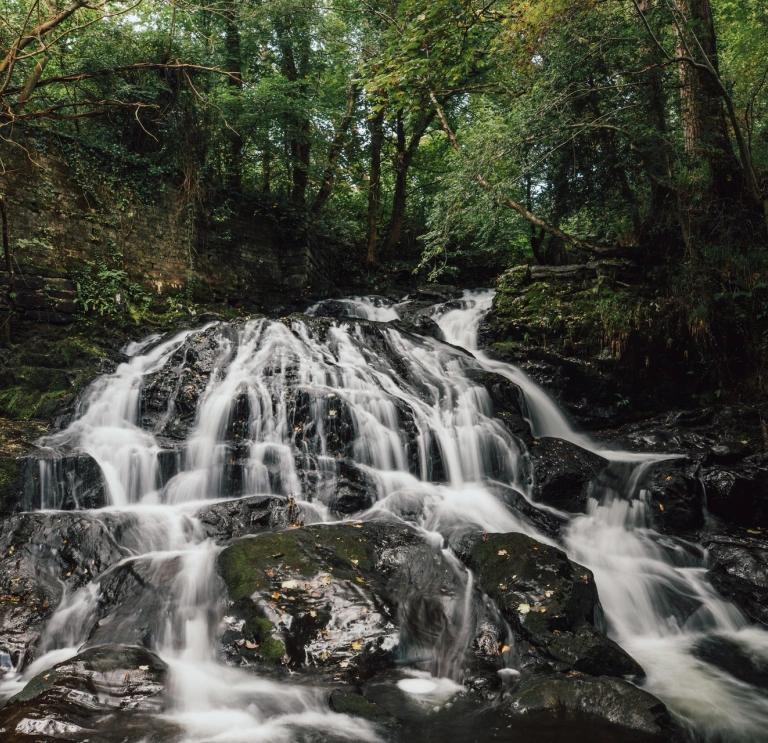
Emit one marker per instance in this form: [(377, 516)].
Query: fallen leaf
[(143, 668), (359, 579), (505, 649), (357, 645), (250, 644), (524, 608), (275, 595), (313, 613), (344, 663), (502, 552), (289, 584)]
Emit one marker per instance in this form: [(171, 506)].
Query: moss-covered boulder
[(598, 335), (550, 602), (339, 599), (356, 705)]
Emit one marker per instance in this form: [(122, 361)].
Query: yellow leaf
[(502, 552), (505, 649), (357, 645)]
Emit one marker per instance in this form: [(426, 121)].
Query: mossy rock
[(325, 596), (356, 705), (12, 470)]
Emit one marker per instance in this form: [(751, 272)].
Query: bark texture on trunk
[(702, 113), (406, 150), (374, 188)]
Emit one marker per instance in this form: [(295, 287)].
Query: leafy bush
[(109, 292)]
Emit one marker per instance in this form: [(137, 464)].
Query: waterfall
[(281, 404)]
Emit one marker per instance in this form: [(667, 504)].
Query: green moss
[(242, 564), (572, 317), (348, 549), (347, 703), (10, 480), (272, 650), (39, 684)]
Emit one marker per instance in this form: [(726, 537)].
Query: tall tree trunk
[(404, 158), (326, 186), (374, 188), (702, 114), (234, 171), (300, 129), (300, 147), (266, 169), (9, 298)]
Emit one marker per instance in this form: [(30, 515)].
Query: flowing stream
[(444, 478)]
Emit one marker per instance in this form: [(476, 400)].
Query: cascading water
[(278, 398)]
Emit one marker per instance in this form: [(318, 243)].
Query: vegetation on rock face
[(451, 139)]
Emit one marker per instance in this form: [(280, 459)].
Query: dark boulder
[(170, 395), (738, 493), (353, 491), (739, 569), (71, 482), (236, 518), (41, 556), (13, 472), (563, 474), (610, 699), (110, 693), (676, 495), (545, 520), (134, 603), (549, 601), (507, 399), (732, 658)]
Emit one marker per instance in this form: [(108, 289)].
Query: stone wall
[(55, 226)]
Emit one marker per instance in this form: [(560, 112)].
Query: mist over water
[(441, 476)]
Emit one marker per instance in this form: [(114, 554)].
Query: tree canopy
[(435, 135)]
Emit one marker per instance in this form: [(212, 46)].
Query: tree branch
[(514, 205)]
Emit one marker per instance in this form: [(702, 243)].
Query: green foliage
[(109, 292)]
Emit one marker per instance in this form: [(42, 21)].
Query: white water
[(440, 478)]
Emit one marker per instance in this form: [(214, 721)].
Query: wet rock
[(43, 554), (738, 493), (106, 693), (610, 699), (337, 599), (170, 396), (549, 601), (739, 560), (135, 603), (546, 521), (563, 474), (356, 705), (12, 477), (236, 518), (69, 482), (676, 494), (354, 490), (731, 657), (507, 399)]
